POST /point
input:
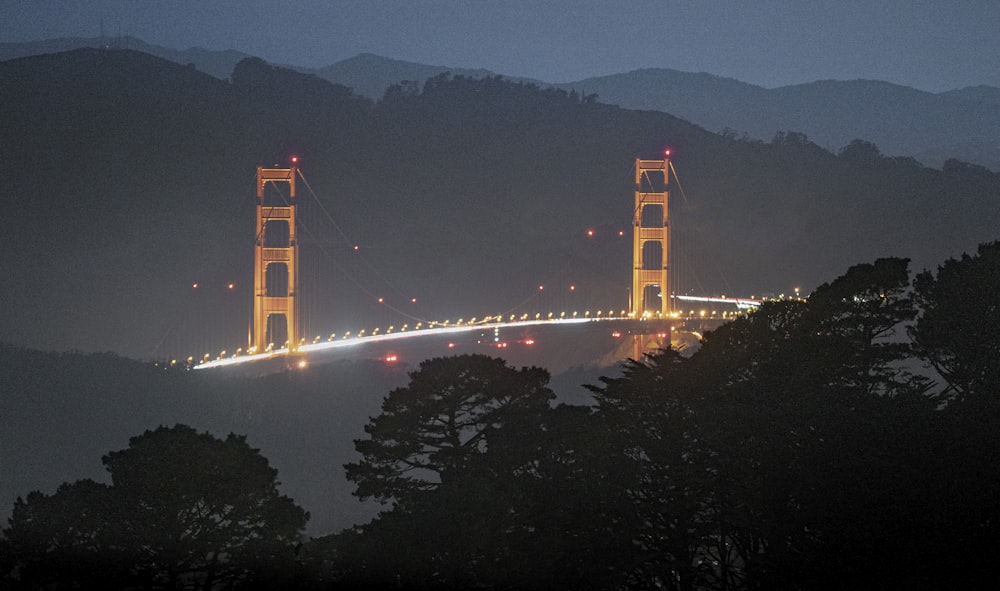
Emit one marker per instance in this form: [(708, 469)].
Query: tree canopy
[(184, 510)]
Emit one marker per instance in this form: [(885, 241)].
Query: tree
[(431, 431), (861, 152), (654, 437), (958, 331), (812, 420), (447, 453), (858, 320), (185, 510)]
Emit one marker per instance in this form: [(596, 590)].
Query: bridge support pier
[(651, 240), (276, 262)]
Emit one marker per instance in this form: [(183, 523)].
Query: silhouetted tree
[(814, 421), (858, 321), (185, 510), (432, 430), (957, 331), (437, 453), (662, 486), (861, 152)]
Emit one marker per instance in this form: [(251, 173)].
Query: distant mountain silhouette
[(216, 63), (901, 121), (370, 75)]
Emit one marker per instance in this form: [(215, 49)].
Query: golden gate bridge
[(652, 315)]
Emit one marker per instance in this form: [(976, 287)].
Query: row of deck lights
[(499, 318)]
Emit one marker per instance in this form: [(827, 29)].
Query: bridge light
[(194, 286), (529, 342), (302, 364), (541, 287), (590, 233), (617, 334), (231, 286), (381, 300), (356, 247), (572, 288)]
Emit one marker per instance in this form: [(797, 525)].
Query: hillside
[(215, 63), (958, 124), (132, 179), (902, 121)]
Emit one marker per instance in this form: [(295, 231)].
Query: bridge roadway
[(556, 344)]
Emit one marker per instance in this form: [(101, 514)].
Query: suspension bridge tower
[(651, 240), (276, 262)]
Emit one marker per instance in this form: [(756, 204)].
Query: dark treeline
[(842, 442)]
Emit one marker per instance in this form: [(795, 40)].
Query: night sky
[(927, 44)]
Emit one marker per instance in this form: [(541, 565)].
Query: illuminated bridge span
[(654, 326), (649, 319)]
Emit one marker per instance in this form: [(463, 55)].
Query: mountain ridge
[(902, 121)]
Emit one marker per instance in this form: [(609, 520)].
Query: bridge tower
[(276, 261), (651, 239)]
